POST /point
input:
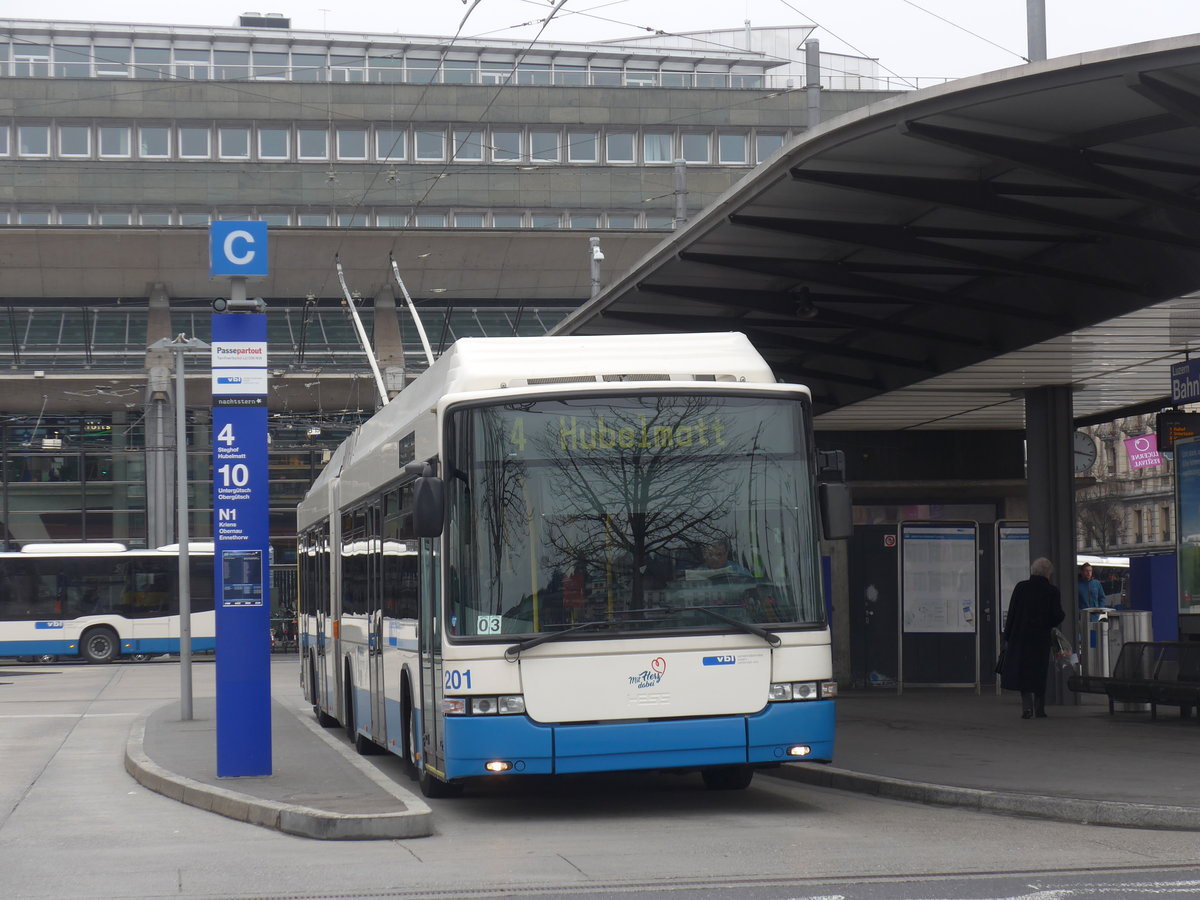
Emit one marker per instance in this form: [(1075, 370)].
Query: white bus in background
[(101, 601), (576, 554)]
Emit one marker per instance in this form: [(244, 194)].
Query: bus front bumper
[(531, 748)]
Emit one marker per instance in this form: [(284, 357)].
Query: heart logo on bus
[(659, 665)]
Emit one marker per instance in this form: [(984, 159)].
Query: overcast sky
[(905, 35)]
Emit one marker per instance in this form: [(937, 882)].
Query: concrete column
[(1048, 432), (812, 81), (160, 425), (389, 341)]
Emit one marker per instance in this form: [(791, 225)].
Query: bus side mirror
[(837, 519), (429, 506)]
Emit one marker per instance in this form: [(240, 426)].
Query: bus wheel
[(727, 778), (100, 645)]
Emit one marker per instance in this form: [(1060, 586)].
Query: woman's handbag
[(1000, 658)]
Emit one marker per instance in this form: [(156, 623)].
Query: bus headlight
[(802, 690), (454, 706), (505, 704)]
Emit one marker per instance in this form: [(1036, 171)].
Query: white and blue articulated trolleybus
[(576, 554)]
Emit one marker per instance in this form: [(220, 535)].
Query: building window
[(351, 143), (1166, 523), (343, 67), (710, 80), (33, 140), (507, 220), (233, 143), (421, 71), (72, 62), (156, 219), (460, 71), (312, 143), (533, 73), (625, 221), (656, 147), (194, 65), (74, 218), (33, 217), (641, 78), (1138, 532), (273, 143), (585, 221), (390, 144), (31, 60), (468, 145), (543, 146), (154, 142), (542, 220), (618, 148), (581, 146), (114, 218), (675, 79), (570, 75), (270, 66), (731, 149), (276, 219), (430, 145), (766, 145), (308, 66), (695, 147), (74, 140), (194, 142), (606, 76), (659, 221), (506, 146), (3, 140), (313, 220), (352, 220), (112, 62), (468, 220), (194, 218), (231, 65), (114, 141), (151, 62), (431, 220), (495, 72), (391, 219), (385, 69)]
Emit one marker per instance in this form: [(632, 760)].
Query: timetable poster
[(939, 578)]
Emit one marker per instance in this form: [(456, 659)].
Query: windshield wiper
[(750, 628), (513, 653)]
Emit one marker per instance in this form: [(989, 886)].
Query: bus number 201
[(456, 680)]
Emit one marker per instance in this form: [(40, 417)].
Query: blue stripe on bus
[(128, 646), (471, 741)]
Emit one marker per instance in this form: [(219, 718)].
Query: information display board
[(1187, 506), (939, 593)]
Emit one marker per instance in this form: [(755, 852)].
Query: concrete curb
[(1062, 809), (289, 818)]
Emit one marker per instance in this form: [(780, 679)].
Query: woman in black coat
[(1033, 612)]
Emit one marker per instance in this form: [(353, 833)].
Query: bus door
[(375, 640), (430, 643)]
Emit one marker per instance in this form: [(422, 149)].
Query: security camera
[(597, 254), (248, 305)]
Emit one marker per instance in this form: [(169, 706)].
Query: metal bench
[(1153, 672)]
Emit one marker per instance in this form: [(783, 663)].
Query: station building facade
[(482, 168)]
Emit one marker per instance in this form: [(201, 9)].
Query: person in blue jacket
[(1091, 592)]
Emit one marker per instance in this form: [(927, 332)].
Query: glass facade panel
[(430, 145), (695, 147), (458, 71), (268, 65), (656, 147), (308, 66), (112, 62), (765, 145), (154, 141), (72, 62), (231, 65), (543, 146), (151, 62)]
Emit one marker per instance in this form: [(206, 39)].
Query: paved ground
[(949, 747)]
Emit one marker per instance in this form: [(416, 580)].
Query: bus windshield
[(634, 513)]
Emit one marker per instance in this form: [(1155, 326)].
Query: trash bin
[(1103, 632)]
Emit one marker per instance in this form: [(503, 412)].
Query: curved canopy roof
[(920, 262)]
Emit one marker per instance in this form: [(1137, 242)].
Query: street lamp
[(179, 345)]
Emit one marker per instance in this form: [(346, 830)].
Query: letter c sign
[(237, 248)]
